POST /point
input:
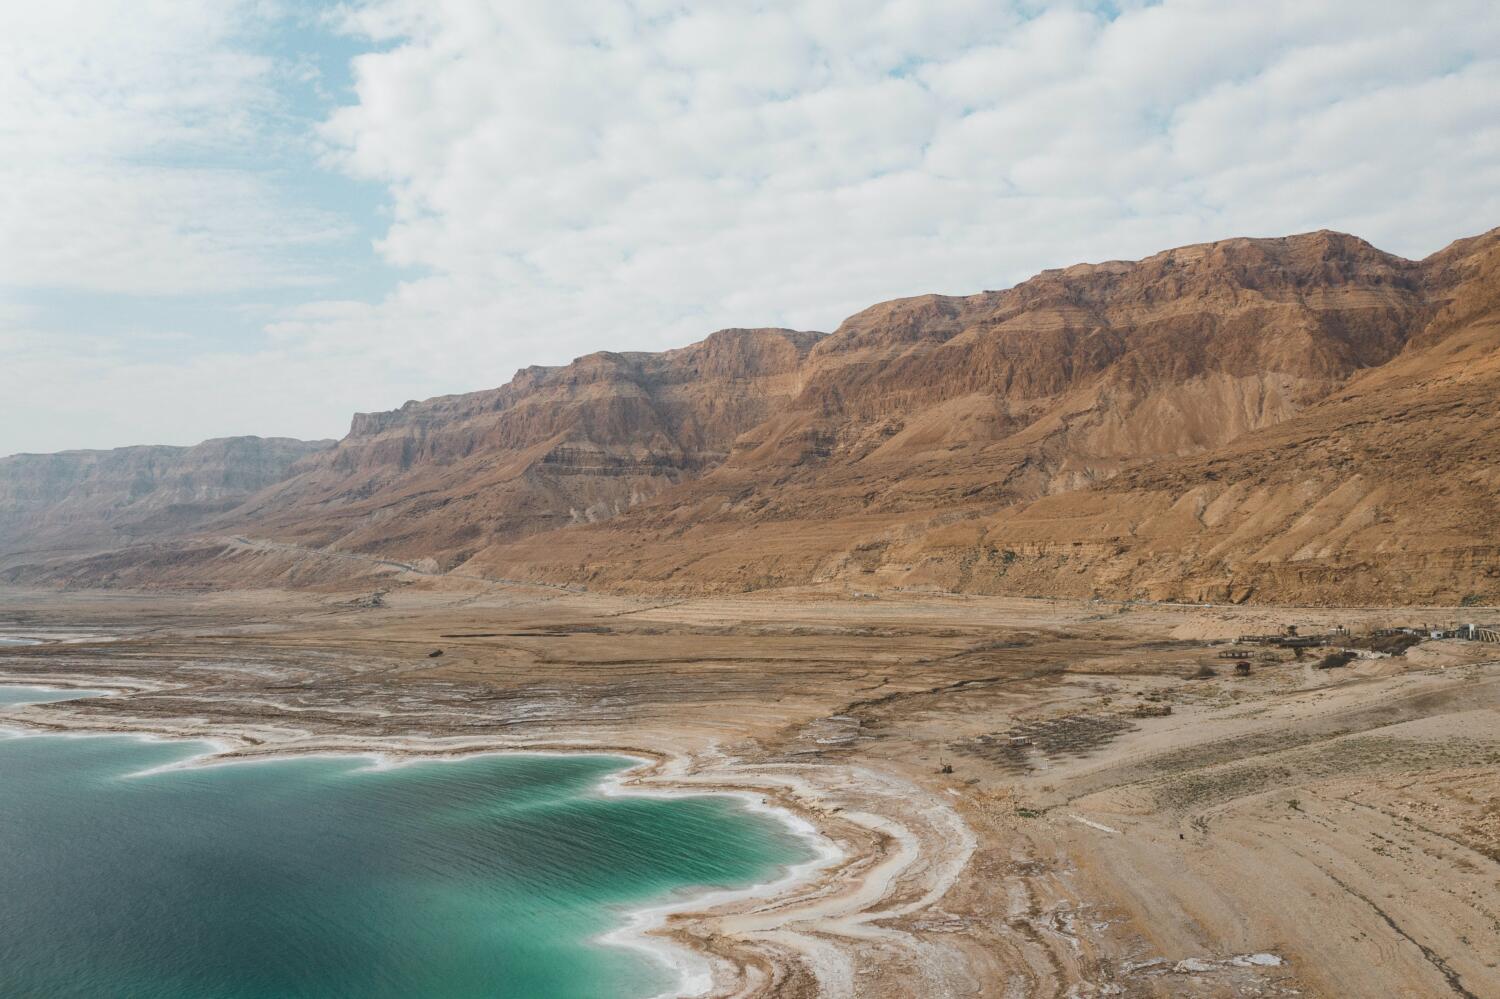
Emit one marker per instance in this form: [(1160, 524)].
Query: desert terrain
[(1030, 797), (957, 583), (911, 499), (1298, 420)]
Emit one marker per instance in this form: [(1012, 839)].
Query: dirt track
[(1295, 831)]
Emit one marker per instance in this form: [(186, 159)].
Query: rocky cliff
[(1305, 418), (77, 501), (1291, 419), (555, 447)]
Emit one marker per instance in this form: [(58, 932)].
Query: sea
[(125, 870)]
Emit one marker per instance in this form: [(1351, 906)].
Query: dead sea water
[(493, 876)]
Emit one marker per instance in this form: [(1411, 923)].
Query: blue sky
[(251, 216)]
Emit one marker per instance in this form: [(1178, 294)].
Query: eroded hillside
[(80, 501), (554, 447), (1296, 419), (1304, 418)]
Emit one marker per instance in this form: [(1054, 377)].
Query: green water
[(493, 876)]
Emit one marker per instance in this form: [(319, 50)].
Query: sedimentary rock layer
[(1305, 418)]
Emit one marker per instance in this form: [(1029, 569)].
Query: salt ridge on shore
[(641, 931)]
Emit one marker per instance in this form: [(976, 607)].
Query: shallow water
[(492, 876), (13, 695)]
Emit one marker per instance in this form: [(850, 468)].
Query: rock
[(1257, 960), (1194, 406), (1151, 710), (94, 500)]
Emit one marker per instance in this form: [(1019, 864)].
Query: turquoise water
[(10, 695), (492, 876)]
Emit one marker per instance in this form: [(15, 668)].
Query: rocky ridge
[(81, 501), (1304, 418)]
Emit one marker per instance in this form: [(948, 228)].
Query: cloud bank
[(610, 175)]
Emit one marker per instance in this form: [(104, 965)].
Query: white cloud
[(127, 127), (616, 174), (609, 175)]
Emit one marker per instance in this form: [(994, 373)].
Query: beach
[(1001, 803)]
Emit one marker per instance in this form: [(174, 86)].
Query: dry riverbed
[(1028, 797)]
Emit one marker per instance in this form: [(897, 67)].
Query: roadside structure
[(1480, 633)]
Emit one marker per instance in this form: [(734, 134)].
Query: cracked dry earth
[(1032, 797)]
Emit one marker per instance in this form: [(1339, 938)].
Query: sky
[(224, 217)]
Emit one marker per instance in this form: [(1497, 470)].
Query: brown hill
[(1305, 418), (555, 447), (1212, 422)]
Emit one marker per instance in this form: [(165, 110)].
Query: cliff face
[(555, 447), (1305, 418), (1252, 419), (1064, 380), (87, 500)]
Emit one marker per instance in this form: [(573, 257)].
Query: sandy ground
[(1028, 797)]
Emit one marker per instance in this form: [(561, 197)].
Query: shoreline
[(944, 746), (648, 929)]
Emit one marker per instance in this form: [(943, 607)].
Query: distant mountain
[(1305, 418), (83, 501)]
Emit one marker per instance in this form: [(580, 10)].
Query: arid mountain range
[(77, 502), (1304, 419)]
